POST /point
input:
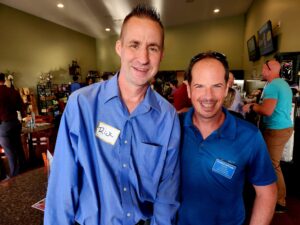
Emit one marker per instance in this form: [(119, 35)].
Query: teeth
[(141, 69), (207, 104)]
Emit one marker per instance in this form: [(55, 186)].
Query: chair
[(40, 145)]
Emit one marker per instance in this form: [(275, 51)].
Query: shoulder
[(163, 104), (245, 127), (87, 93)]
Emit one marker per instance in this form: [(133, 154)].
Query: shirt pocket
[(149, 156)]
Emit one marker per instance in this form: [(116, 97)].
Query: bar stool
[(40, 144)]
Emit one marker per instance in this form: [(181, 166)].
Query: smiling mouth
[(207, 106), (141, 69)]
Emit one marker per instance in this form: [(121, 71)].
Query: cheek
[(195, 94), (221, 95), (155, 59)]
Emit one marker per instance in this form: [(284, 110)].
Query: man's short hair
[(143, 11), (75, 78), (208, 55), (2, 77)]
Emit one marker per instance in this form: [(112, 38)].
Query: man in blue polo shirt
[(219, 152)]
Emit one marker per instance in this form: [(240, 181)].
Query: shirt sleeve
[(62, 192), (270, 92), (167, 201)]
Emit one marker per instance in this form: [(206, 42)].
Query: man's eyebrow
[(134, 42)]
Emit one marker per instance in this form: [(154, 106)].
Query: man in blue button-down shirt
[(116, 157)]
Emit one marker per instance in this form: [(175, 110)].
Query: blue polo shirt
[(214, 170)]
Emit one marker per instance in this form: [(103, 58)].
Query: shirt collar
[(112, 91), (112, 88), (227, 129)]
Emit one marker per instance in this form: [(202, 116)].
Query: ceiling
[(91, 17)]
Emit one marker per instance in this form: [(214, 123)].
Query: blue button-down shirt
[(111, 167)]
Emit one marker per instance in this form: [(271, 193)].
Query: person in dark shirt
[(10, 127), (181, 101)]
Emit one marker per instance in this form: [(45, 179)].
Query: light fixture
[(60, 5), (216, 10), (107, 29)]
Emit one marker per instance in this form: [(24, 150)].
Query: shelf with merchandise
[(49, 98)]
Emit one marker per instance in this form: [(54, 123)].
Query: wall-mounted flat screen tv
[(253, 51), (265, 39)]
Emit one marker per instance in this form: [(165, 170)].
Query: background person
[(233, 101), (181, 101), (90, 81), (219, 152), (116, 156), (10, 127), (173, 85), (75, 85), (277, 125)]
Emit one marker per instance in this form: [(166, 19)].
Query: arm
[(167, 201), (264, 204), (266, 108), (62, 191)]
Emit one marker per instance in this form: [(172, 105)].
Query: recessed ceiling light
[(216, 10), (107, 29), (60, 5)]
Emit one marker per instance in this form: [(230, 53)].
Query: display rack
[(52, 98)]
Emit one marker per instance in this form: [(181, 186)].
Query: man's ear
[(162, 55), (227, 88), (188, 88), (118, 47)]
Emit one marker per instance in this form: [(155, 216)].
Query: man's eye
[(198, 86), (218, 86), (154, 49), (133, 46)]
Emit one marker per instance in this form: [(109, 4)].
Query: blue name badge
[(224, 168)]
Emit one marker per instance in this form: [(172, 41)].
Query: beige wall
[(107, 58), (287, 13), (182, 42), (30, 46)]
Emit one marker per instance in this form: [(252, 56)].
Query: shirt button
[(125, 141), (124, 165), (124, 189), (128, 214)]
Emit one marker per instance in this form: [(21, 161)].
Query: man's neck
[(131, 95), (208, 125), (273, 76)]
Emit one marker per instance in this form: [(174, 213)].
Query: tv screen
[(253, 51), (265, 39)]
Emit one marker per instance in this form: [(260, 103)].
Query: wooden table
[(41, 130), (18, 194), (38, 128)]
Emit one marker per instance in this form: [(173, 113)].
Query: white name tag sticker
[(107, 133)]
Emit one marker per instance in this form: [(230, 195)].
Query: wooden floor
[(292, 180), (292, 217)]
